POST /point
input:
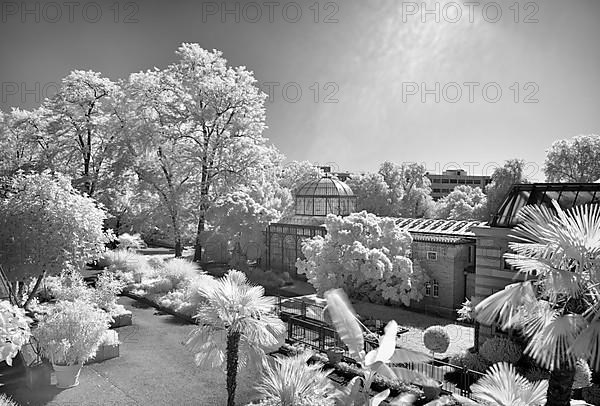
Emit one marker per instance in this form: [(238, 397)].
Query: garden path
[(154, 368)]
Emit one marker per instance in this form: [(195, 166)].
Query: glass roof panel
[(566, 194)]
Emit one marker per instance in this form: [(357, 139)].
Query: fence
[(293, 307), (454, 379)]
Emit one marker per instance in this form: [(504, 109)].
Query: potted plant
[(335, 355), (69, 335)]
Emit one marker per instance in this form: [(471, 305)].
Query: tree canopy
[(574, 160), (365, 255), (47, 226)]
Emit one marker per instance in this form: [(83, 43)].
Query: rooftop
[(454, 228), (325, 187), (566, 194)]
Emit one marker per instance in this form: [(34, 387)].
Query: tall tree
[(47, 227), (83, 121), (214, 115), (155, 150), (558, 312), (463, 203), (294, 173), (574, 160), (372, 194), (503, 179), (22, 141)]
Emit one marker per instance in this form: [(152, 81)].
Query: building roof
[(325, 187), (297, 220), (438, 227), (566, 194)]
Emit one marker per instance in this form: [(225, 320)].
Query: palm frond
[(587, 344), (535, 317), (290, 380), (551, 346), (503, 386), (503, 306)]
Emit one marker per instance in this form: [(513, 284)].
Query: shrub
[(71, 332), (68, 286), (128, 241), (7, 401), (500, 349), (536, 374), (14, 330), (107, 289), (583, 375), (469, 360), (162, 285), (125, 261), (179, 271), (436, 339)]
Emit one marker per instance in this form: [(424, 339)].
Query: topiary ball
[(436, 339)]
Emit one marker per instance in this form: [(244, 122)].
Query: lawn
[(461, 337)]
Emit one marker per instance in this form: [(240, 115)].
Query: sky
[(352, 83)]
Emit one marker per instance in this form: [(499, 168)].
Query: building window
[(431, 256), (428, 289), (453, 181), (445, 181), (436, 288)]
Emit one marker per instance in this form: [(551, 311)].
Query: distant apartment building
[(442, 185)]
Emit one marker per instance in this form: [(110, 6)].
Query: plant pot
[(67, 376), (432, 391), (121, 320), (38, 375), (335, 355)]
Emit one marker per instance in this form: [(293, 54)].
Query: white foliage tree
[(365, 255)]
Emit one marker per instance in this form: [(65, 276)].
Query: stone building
[(445, 249), (492, 272)]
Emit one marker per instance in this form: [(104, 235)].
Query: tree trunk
[(176, 235), (559, 387), (233, 343), (178, 247), (38, 282), (198, 243)]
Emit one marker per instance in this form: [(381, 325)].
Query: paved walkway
[(153, 369)]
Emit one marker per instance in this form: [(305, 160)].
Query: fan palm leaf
[(551, 346), (291, 380), (503, 386), (503, 306), (587, 344)]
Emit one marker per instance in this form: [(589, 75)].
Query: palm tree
[(557, 309), (236, 319)]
